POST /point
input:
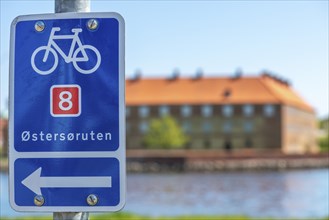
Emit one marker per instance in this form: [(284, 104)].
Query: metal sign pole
[(70, 215), (62, 6)]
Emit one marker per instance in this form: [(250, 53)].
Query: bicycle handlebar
[(56, 29), (74, 30)]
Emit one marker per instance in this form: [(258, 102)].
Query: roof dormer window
[(227, 93)]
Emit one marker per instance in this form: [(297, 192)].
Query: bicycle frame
[(75, 40)]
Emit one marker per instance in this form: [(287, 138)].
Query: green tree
[(324, 140), (165, 133), (324, 143)]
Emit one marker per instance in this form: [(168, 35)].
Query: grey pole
[(62, 6), (71, 216)]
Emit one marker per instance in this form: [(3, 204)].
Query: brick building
[(256, 112)]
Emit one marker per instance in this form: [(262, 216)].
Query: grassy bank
[(3, 164), (125, 216)]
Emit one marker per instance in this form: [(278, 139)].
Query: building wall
[(216, 130), (299, 131)]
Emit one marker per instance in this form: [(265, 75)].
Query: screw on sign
[(92, 200), (92, 24), (39, 26), (39, 200)]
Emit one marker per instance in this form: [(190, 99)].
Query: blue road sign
[(67, 134)]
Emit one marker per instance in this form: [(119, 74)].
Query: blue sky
[(288, 38)]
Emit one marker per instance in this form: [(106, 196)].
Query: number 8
[(65, 100)]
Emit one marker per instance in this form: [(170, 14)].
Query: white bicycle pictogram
[(72, 56)]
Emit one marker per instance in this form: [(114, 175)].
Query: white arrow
[(35, 182)]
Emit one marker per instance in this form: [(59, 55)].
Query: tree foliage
[(324, 123), (165, 133), (324, 141)]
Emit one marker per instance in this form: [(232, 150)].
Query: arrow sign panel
[(35, 182), (98, 176)]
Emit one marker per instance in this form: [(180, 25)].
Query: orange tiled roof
[(212, 90)]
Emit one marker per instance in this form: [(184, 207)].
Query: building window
[(127, 111), (143, 111), (143, 127), (248, 110), (269, 110), (248, 126), (227, 110), (186, 126), (206, 110), (164, 110), (227, 127), (186, 110), (206, 127)]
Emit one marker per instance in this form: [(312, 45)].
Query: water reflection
[(272, 194), (302, 193)]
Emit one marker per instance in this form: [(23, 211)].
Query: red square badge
[(65, 100)]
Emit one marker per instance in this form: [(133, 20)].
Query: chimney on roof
[(175, 74), (265, 74), (198, 74), (237, 74), (281, 80), (286, 82), (137, 75), (276, 78)]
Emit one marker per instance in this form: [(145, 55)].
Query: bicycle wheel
[(93, 59), (44, 67)]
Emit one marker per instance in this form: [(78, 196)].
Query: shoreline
[(254, 164), (213, 160), (148, 161)]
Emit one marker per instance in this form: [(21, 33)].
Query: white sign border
[(120, 153)]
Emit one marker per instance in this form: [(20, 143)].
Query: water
[(295, 193)]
